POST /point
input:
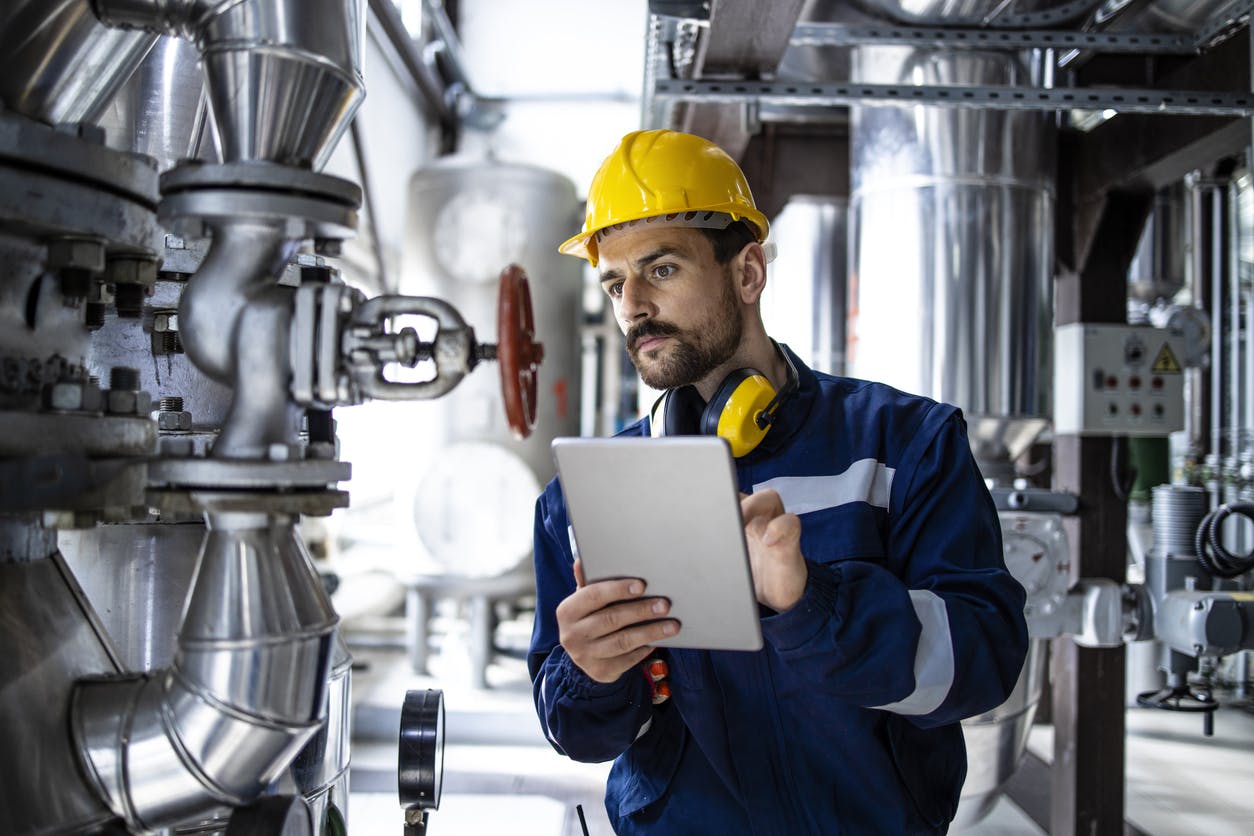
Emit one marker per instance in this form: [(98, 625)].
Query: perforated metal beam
[(835, 34), (1192, 102)]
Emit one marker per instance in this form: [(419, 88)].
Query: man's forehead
[(626, 248)]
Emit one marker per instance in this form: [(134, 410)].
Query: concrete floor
[(502, 777)]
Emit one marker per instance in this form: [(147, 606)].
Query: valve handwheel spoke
[(517, 352)]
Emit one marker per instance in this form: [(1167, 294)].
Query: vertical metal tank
[(951, 216), (805, 302), (467, 221)]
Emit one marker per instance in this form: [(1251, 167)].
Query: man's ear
[(750, 272)]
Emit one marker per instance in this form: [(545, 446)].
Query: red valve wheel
[(517, 352)]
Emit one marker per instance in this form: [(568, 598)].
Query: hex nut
[(131, 271), (279, 452), (174, 421), (121, 402), (65, 395), (76, 253), (165, 322)]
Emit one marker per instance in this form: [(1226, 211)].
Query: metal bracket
[(1035, 499), (826, 94), (835, 34)]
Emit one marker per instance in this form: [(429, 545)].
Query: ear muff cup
[(684, 408), (733, 411)]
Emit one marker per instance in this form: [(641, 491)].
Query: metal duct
[(804, 304), (283, 76), (952, 247), (50, 639), (1159, 16), (1158, 267), (58, 63), (161, 111), (246, 692)]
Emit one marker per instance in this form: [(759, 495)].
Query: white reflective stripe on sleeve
[(544, 711), (933, 660), (648, 724), (866, 480)]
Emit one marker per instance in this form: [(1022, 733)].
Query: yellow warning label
[(1165, 362)]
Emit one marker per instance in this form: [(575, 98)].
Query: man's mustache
[(649, 328)]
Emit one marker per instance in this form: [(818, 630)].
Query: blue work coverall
[(847, 720)]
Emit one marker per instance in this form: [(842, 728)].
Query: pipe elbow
[(242, 259)]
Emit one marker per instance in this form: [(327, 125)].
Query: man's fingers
[(763, 503), (580, 583), (591, 597), (782, 530)]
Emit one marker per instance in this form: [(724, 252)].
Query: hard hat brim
[(583, 244)]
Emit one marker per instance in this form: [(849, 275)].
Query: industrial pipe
[(245, 692), (283, 76)]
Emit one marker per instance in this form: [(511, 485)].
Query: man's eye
[(663, 271), (615, 290)]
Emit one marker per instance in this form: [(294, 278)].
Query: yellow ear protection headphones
[(742, 410)]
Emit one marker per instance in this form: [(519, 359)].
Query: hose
[(1211, 553)]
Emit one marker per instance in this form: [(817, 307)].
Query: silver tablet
[(665, 510)]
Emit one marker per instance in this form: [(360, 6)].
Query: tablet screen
[(666, 510)]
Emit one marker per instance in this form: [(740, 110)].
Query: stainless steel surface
[(49, 641), (951, 246), (975, 11), (58, 63), (136, 577), (1177, 511), (1158, 15), (283, 76), (807, 291), (245, 693), (467, 222), (1158, 267), (161, 110), (997, 740)]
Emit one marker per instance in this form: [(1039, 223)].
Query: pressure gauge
[(1036, 552), (420, 766)]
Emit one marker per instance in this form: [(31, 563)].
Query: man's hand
[(607, 627), (774, 539)]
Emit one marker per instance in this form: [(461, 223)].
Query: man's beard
[(690, 357)]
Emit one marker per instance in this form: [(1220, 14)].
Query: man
[(886, 609)]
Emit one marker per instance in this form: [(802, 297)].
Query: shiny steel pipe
[(283, 76), (951, 234), (246, 691), (59, 64)]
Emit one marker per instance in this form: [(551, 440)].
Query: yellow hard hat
[(659, 173)]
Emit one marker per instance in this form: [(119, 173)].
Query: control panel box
[(1117, 380)]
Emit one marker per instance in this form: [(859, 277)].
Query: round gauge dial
[(476, 234), (420, 766), (1036, 554)]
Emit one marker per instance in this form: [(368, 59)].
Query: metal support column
[(1088, 684)]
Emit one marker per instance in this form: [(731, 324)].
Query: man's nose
[(636, 302)]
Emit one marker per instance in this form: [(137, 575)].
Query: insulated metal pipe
[(245, 693), (283, 76), (58, 64)]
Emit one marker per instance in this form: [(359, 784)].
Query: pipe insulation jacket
[(245, 692)]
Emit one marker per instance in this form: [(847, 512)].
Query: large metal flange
[(56, 184), (84, 433), (311, 503), (247, 474), (305, 203)]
